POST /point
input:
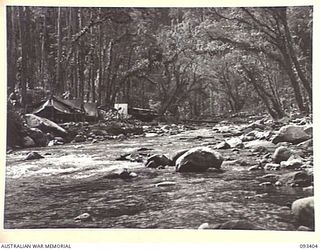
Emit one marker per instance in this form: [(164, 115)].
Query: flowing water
[(70, 180)]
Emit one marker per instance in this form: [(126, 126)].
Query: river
[(70, 180)]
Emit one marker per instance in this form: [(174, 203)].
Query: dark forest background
[(186, 62)]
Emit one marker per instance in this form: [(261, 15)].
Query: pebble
[(278, 183), (83, 217)]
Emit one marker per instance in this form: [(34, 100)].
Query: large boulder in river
[(291, 133), (40, 138), (199, 159), (303, 210), (281, 154), (45, 125)]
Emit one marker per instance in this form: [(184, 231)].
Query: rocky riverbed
[(106, 184)]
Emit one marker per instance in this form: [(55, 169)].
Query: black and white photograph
[(159, 118)]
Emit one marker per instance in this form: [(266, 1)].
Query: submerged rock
[(33, 156), (303, 210), (198, 160), (121, 174)]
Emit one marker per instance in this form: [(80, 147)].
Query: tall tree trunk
[(24, 48), (43, 52), (100, 62), (59, 85), (11, 48)]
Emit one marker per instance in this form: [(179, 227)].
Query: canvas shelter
[(56, 109), (61, 110)]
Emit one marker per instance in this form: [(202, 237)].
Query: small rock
[(83, 217), (165, 184), (278, 183), (148, 135), (79, 138), (235, 142), (144, 149), (255, 168), (121, 174), (258, 144), (299, 178), (272, 166), (203, 226), (158, 160), (261, 195), (281, 154), (222, 145), (265, 184), (310, 189), (293, 162), (304, 228), (161, 167), (269, 177), (94, 141), (33, 156)]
